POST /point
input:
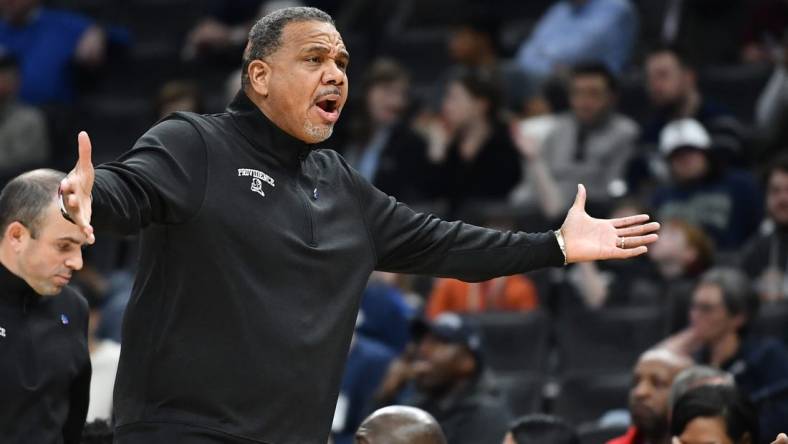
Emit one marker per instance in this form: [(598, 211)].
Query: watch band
[(62, 204), (559, 236)]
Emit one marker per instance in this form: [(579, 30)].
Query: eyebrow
[(70, 239), (325, 50)]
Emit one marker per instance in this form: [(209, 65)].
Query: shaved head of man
[(400, 425)]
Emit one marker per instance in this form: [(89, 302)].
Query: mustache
[(328, 92)]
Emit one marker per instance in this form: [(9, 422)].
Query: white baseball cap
[(683, 133)]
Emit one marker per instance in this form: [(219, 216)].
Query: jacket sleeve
[(408, 242), (160, 180), (79, 393)]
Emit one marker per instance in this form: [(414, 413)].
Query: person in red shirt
[(648, 398)]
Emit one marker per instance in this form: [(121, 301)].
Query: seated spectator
[(717, 414), (475, 156), (710, 30), (49, 44), (572, 31), (672, 85), (400, 425), (366, 366), (764, 29), (722, 307), (178, 95), (24, 143), (384, 315), (648, 398), (726, 203), (681, 255), (591, 144), (507, 293), (771, 110), (539, 429), (765, 259), (447, 369), (696, 376), (382, 147)]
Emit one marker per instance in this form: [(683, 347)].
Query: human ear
[(259, 73), (15, 235)]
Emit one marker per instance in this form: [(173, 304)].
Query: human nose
[(333, 75), (74, 262)]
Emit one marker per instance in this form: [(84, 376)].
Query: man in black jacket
[(257, 242), (44, 361)]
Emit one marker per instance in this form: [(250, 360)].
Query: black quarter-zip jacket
[(44, 364), (255, 249)]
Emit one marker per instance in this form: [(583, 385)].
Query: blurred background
[(491, 112)]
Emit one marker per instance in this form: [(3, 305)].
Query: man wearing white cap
[(726, 203)]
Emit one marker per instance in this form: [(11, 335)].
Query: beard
[(318, 132)]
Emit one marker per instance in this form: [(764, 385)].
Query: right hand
[(77, 188), (782, 438), (529, 147)]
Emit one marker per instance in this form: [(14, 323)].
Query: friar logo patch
[(258, 177)]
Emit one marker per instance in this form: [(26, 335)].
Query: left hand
[(590, 239), (782, 438)]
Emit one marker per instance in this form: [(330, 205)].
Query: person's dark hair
[(538, 428), (717, 401), (737, 294), (265, 37), (679, 53), (780, 163), (26, 198), (97, 432), (596, 69), (383, 71), (482, 84), (8, 61)]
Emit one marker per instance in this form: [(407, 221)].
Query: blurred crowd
[(491, 112)]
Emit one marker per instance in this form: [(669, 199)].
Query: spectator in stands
[(672, 86), (722, 309), (447, 368), (765, 260), (24, 142), (696, 376), (724, 202), (475, 156), (366, 366), (49, 44), (400, 425), (591, 144), (771, 109), (648, 398), (681, 255), (715, 413), (382, 146), (384, 314), (710, 30), (539, 429), (474, 44), (572, 31), (178, 95), (764, 31), (508, 293)]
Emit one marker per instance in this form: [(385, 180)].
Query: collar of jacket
[(264, 134), (14, 290)]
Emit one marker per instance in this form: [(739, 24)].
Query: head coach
[(257, 241)]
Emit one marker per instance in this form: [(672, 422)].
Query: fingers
[(629, 220), (630, 252), (782, 438), (637, 241), (84, 163), (638, 230), (580, 199)]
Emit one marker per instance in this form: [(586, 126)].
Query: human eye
[(63, 246)]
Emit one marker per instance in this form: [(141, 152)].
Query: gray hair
[(737, 294), (265, 37), (26, 198), (696, 376)]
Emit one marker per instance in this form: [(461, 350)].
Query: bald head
[(400, 425), (667, 357)]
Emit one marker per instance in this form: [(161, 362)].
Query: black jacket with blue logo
[(255, 250), (44, 364)]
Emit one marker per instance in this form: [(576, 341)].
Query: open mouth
[(328, 108), (327, 105)]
